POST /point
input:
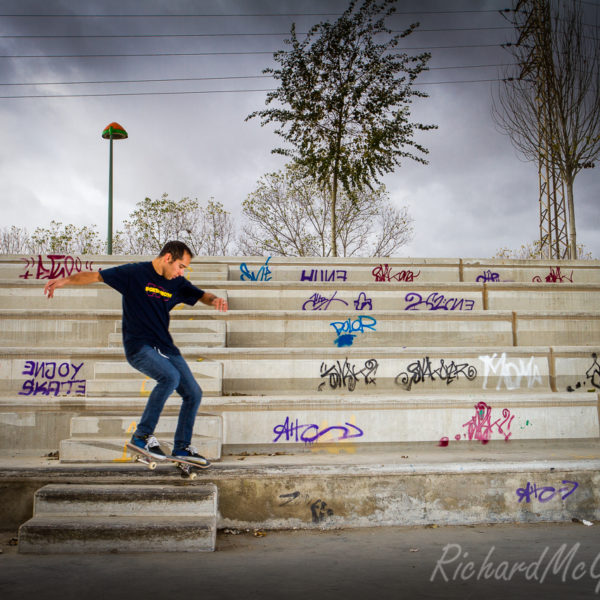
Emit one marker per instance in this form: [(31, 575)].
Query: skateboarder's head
[(173, 259)]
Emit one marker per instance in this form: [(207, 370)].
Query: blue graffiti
[(264, 273), (345, 329)]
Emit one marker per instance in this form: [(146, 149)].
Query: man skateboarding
[(150, 290)]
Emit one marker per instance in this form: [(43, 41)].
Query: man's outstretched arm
[(82, 278)]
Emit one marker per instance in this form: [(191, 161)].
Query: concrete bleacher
[(339, 355)]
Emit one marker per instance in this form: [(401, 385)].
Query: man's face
[(176, 268)]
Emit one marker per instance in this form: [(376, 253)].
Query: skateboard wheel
[(193, 475), (152, 466)]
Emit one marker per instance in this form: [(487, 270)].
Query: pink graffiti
[(480, 427), (60, 265), (555, 276)]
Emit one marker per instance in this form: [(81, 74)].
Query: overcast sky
[(475, 196)]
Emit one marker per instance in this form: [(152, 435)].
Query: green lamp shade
[(115, 131)]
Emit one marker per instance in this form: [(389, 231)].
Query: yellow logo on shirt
[(154, 291)]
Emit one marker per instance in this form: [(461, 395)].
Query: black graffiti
[(320, 511), (422, 370), (290, 497), (346, 376), (592, 376)]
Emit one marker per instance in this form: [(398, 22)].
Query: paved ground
[(555, 561)]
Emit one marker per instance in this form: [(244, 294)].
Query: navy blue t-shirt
[(147, 300)]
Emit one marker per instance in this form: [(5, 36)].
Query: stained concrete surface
[(562, 560)]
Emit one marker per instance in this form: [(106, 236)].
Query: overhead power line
[(147, 54), (209, 15), (223, 78), (192, 92), (200, 35)]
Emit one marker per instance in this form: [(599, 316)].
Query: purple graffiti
[(324, 275), (384, 273), (546, 493), (318, 302), (362, 302), (61, 265), (437, 301), (293, 431), (488, 276), (52, 379)]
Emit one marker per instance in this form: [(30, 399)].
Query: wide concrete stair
[(71, 519), (342, 393)]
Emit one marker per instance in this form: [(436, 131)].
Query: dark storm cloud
[(474, 197)]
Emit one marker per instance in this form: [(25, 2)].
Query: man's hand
[(220, 304), (52, 285)]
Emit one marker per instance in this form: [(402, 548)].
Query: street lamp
[(114, 131)]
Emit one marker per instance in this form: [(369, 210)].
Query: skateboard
[(186, 467)]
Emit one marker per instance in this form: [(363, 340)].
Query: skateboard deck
[(185, 466)]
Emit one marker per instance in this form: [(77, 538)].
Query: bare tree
[(14, 240), (550, 106), (289, 215)]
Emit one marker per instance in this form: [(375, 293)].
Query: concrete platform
[(326, 487)]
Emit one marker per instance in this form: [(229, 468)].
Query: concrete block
[(71, 519)]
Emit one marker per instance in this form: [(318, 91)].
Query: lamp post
[(114, 131)]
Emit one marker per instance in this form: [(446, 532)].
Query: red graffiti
[(60, 265)]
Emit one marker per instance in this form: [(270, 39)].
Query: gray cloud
[(474, 197)]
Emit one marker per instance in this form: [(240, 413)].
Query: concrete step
[(345, 423), (110, 450), (290, 329), (100, 518), (119, 378), (125, 500), (122, 425)]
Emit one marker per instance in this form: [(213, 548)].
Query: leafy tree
[(288, 215), (66, 239), (343, 102)]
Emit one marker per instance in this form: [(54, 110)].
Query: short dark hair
[(176, 249)]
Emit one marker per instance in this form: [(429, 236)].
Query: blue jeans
[(171, 373)]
